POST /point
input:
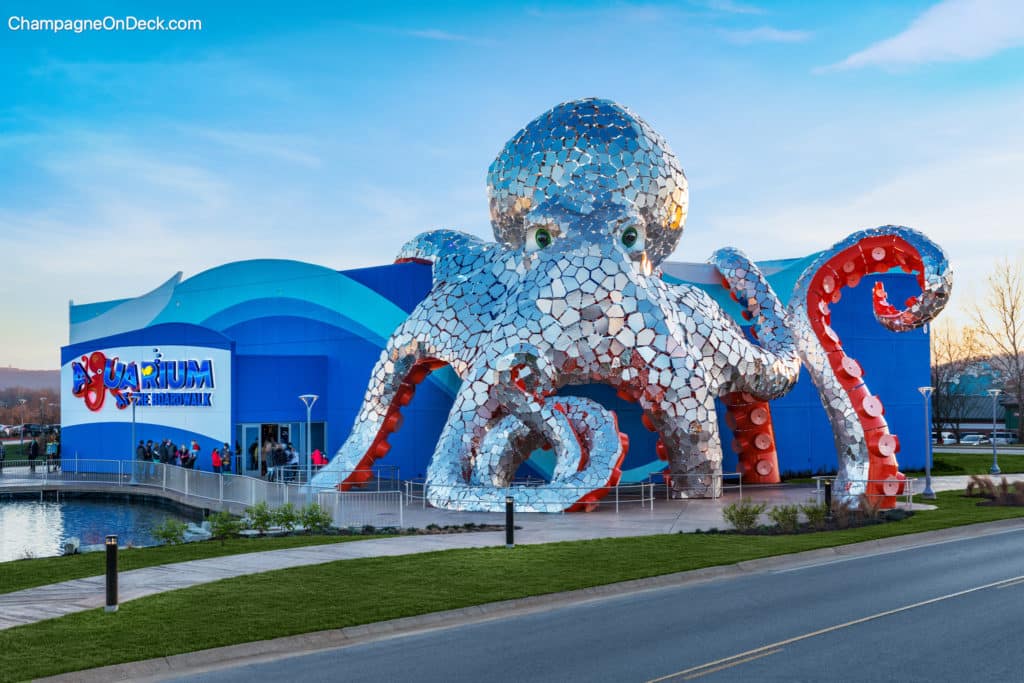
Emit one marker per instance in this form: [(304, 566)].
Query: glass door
[(249, 439)]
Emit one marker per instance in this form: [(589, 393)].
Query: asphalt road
[(950, 611)]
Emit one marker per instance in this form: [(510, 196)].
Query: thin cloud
[(766, 34), (283, 147), (951, 31), (437, 34), (730, 7), (434, 34)]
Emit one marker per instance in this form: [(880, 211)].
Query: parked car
[(33, 429), (943, 439), (973, 440)]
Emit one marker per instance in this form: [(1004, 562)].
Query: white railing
[(641, 493), (364, 508), (909, 486), (717, 488), (378, 507)]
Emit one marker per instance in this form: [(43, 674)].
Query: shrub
[(260, 517), (1002, 493), (815, 513), (787, 517), (316, 519), (171, 532), (844, 514), (224, 525), (743, 515), (871, 506), (286, 516), (369, 529)]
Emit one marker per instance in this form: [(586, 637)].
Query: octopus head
[(589, 172)]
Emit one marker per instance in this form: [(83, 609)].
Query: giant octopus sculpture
[(586, 201)]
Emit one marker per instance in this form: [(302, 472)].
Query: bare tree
[(955, 352), (1000, 321)]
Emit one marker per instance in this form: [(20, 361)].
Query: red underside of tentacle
[(588, 502), (753, 438), (845, 269), (751, 423), (392, 422)]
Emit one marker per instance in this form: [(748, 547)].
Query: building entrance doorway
[(258, 441)]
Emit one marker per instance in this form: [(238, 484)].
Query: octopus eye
[(538, 238), (630, 237)]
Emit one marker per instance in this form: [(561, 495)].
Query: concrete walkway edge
[(255, 652)]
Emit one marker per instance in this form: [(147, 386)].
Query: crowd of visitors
[(222, 460)]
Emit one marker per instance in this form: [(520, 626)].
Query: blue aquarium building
[(223, 356)]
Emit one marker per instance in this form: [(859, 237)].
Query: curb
[(292, 646)]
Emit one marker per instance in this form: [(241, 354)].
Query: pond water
[(29, 528)]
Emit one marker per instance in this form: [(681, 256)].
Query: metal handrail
[(667, 477), (908, 492), (620, 494)]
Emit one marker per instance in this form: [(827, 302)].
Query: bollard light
[(111, 544), (828, 499), (510, 529)]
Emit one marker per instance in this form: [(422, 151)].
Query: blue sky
[(334, 134)]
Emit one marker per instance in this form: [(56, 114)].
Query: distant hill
[(30, 379)]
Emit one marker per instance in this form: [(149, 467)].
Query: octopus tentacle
[(770, 369), (749, 415), (501, 413), (509, 441), (455, 255), (866, 449)]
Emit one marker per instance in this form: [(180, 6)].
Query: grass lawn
[(352, 592), (20, 574), (974, 463), (944, 464)]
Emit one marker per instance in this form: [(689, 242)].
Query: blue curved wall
[(297, 328)]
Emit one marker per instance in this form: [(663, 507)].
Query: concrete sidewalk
[(46, 602)]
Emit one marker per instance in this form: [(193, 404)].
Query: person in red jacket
[(216, 461), (318, 459)]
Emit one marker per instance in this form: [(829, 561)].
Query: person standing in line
[(293, 462), (253, 461), (33, 453), (150, 457), (51, 454), (318, 459), (140, 456), (215, 459), (225, 459)]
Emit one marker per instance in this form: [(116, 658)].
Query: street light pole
[(926, 392), (309, 400), (994, 393), (131, 397), (22, 402)]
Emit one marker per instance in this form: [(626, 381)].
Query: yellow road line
[(747, 656)]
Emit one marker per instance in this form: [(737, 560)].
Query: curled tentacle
[(775, 364), (577, 483), (866, 449), (455, 255)]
